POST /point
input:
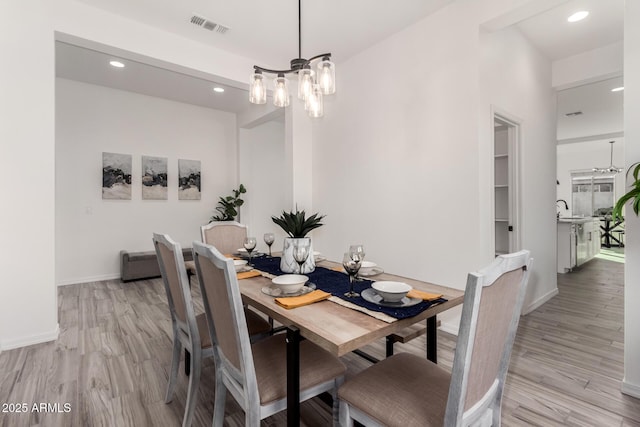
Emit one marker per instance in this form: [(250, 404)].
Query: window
[(592, 195)]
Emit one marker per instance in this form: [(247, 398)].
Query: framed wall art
[(116, 176), (188, 179), (154, 178)]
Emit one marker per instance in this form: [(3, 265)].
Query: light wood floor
[(112, 358)]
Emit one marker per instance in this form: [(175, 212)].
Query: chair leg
[(194, 382), (345, 417), (336, 403), (219, 402), (175, 364)]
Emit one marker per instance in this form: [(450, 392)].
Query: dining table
[(338, 326), (607, 227)]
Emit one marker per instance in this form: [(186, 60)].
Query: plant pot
[(288, 264)]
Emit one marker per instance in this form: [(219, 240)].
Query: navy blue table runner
[(337, 283)]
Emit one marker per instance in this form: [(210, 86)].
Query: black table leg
[(432, 339), (389, 345), (187, 362), (293, 377)]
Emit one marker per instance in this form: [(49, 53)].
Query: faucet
[(566, 206)]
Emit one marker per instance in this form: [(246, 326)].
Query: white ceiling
[(556, 38), (267, 32), (602, 111), (264, 31)]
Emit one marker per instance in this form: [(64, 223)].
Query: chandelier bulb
[(327, 76), (281, 91), (314, 102), (257, 89), (305, 82)]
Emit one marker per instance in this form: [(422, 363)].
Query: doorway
[(506, 137)]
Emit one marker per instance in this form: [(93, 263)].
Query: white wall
[(397, 161), (90, 120), (516, 79), (262, 171), (584, 156), (28, 307), (631, 381)]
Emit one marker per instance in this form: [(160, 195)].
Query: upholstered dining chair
[(254, 374), (226, 236), (407, 390), (189, 331)]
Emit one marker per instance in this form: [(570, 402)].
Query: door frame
[(514, 135)]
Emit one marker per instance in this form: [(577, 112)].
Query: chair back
[(176, 285), (492, 305), (227, 322), (226, 236)]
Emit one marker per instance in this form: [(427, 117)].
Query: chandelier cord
[(299, 30)]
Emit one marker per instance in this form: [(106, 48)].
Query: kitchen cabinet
[(578, 242)]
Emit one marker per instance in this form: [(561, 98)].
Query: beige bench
[(143, 265)]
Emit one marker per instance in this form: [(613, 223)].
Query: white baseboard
[(31, 340), (537, 303), (88, 279), (632, 390)]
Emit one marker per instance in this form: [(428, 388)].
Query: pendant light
[(611, 169), (312, 85)]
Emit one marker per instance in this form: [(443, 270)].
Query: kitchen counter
[(578, 241), (577, 219)]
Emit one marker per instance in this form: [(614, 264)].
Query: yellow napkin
[(248, 274), (414, 293), (310, 298)]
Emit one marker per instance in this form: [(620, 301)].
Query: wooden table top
[(334, 327)]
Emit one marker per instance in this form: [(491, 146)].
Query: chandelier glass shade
[(312, 85), (611, 168)]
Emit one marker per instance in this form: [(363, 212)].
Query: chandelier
[(611, 168), (312, 85)]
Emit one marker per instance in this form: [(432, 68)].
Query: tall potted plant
[(633, 194), (228, 207), (297, 226)]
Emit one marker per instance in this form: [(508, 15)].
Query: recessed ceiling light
[(116, 64), (218, 89), (617, 89), (578, 16)]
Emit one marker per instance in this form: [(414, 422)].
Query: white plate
[(372, 296), (277, 292), (373, 271)]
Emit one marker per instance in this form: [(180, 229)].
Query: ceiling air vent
[(575, 113), (207, 24)]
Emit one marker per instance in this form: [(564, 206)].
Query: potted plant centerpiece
[(297, 226)]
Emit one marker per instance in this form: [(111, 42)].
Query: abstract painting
[(116, 176), (154, 178), (188, 179)]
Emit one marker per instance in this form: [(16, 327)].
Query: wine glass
[(250, 244), (301, 249), (269, 238), (351, 265), (357, 251)]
